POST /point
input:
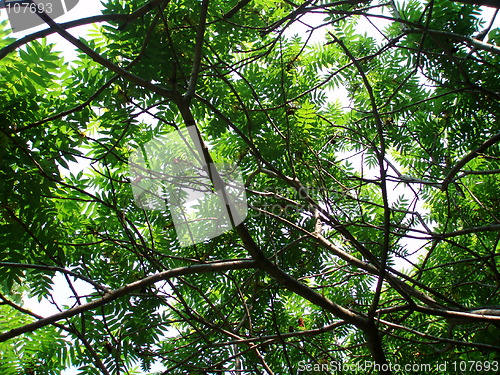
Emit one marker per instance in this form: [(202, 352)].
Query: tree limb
[(67, 25), (102, 60), (114, 294), (241, 4), (198, 52), (472, 41), (82, 21), (467, 158)]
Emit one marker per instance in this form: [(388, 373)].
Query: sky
[(86, 8)]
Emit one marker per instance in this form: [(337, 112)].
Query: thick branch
[(472, 41), (484, 228), (481, 315), (241, 4), (439, 339), (102, 60), (295, 286), (114, 294), (467, 158)]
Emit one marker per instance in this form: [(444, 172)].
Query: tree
[(372, 235)]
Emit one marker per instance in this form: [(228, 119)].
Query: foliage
[(370, 162)]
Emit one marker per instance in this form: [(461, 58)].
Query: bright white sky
[(87, 8)]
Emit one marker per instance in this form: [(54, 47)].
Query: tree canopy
[(370, 163)]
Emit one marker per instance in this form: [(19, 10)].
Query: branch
[(380, 153), (352, 317), (89, 100), (400, 285), (481, 315), (486, 312), (198, 51), (484, 228), (114, 294), (472, 41), (295, 286), (290, 17), (436, 338), (54, 268), (467, 158), (83, 21), (102, 60), (241, 4), (485, 172), (60, 326), (31, 313), (67, 25)]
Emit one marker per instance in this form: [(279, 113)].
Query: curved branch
[(101, 89), (126, 18), (480, 315), (198, 51), (485, 228), (467, 158), (472, 41), (67, 25), (435, 338), (102, 60), (241, 4), (114, 294)]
